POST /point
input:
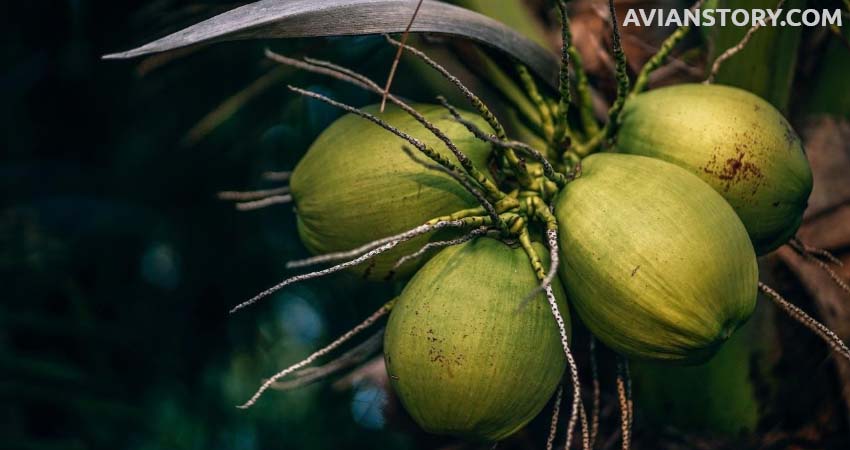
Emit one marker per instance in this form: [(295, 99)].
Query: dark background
[(119, 265)]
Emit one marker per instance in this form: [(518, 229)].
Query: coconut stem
[(403, 237), (806, 320), (545, 276), (544, 111), (659, 57), (348, 359), (556, 413), (382, 311), (548, 170), (536, 263), (809, 253), (594, 410), (732, 51)]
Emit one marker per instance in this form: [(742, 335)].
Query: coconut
[(655, 262), (355, 184), (736, 142), (464, 359)]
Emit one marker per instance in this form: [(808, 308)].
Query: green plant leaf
[(309, 18), (767, 64)]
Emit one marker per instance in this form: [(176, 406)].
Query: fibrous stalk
[(382, 311), (808, 253), (366, 84), (806, 320), (477, 176), (403, 237), (594, 410), (556, 413), (251, 195), (440, 244), (348, 359), (621, 75), (548, 170), (625, 401)]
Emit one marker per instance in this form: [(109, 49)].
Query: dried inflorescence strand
[(815, 251), (491, 210), (732, 51), (264, 202), (629, 395), (403, 237), (398, 57), (351, 358), (476, 101), (564, 71), (625, 400), (582, 84), (349, 76), (577, 412), (621, 74), (554, 257), (431, 153), (812, 255), (548, 170), (594, 411), (479, 105), (252, 200), (318, 354), (251, 195), (349, 254), (609, 131), (556, 414), (832, 339), (661, 55), (441, 244)]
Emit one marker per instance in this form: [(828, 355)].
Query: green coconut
[(463, 359), (655, 262), (736, 142), (355, 184)]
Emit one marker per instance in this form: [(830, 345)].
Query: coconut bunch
[(646, 226)]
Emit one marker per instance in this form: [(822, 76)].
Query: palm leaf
[(267, 19)]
